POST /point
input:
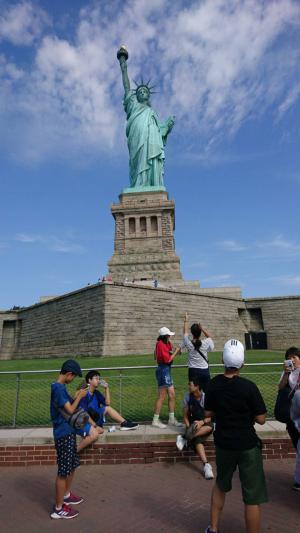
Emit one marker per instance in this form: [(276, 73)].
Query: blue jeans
[(163, 376)]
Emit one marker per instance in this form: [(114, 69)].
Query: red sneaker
[(65, 512), (73, 500)]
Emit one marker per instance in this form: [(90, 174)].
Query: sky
[(229, 70)]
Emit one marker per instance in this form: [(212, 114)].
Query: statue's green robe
[(146, 139)]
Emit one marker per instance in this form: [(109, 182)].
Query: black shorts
[(67, 456), (202, 374)]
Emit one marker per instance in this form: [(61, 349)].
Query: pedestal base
[(144, 241)]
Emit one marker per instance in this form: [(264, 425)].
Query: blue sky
[(228, 70)]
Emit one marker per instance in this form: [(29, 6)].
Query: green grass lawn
[(133, 391), (253, 356)]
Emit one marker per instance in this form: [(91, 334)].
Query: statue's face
[(143, 95)]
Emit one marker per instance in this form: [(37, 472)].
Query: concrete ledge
[(145, 433), (35, 446)]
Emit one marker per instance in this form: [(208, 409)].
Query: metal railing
[(25, 395)]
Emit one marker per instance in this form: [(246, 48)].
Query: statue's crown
[(146, 85)]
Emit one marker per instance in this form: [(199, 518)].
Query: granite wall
[(117, 319), (281, 320), (68, 325), (133, 316)]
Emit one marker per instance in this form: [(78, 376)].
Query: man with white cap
[(164, 356), (236, 404)]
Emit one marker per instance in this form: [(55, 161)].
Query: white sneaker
[(207, 471), (174, 422), (180, 442), (158, 424)]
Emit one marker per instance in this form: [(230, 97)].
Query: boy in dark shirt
[(65, 439), (236, 404)]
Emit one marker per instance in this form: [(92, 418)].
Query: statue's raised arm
[(146, 135), (122, 56)]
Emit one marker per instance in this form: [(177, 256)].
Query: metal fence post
[(120, 391), (17, 401)]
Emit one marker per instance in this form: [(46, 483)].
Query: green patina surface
[(146, 135), (133, 190)]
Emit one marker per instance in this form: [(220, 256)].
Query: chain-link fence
[(25, 395)]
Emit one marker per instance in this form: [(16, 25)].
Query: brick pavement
[(145, 498)]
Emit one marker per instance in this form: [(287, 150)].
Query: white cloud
[(290, 99), (9, 72), (216, 64), (231, 246), (219, 65), (28, 239), (58, 245), (217, 278), (22, 23), (52, 242), (288, 280), (281, 244)]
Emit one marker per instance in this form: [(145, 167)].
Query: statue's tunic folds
[(146, 138)]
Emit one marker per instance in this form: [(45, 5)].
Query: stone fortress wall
[(120, 319)]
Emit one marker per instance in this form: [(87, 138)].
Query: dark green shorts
[(251, 473)]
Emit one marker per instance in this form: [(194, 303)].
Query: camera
[(289, 365)]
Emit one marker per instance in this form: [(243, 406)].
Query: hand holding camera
[(288, 366)]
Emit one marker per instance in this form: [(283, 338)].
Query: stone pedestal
[(144, 241)]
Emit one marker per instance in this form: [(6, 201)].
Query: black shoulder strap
[(202, 354)]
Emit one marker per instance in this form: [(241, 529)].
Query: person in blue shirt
[(98, 405), (65, 439)]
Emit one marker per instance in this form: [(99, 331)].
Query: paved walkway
[(150, 498)]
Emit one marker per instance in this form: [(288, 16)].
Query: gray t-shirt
[(185, 401), (195, 359)]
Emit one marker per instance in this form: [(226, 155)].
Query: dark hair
[(91, 374), (196, 332), (292, 351), (163, 338), (196, 382)]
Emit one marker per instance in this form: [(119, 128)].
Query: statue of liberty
[(146, 136)]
